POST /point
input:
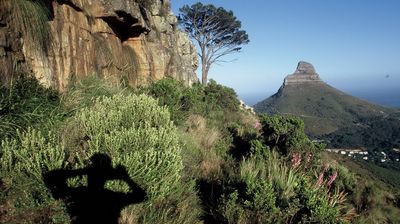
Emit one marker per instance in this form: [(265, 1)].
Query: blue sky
[(353, 44)]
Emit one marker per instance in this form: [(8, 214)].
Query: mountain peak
[(305, 73), (304, 68)]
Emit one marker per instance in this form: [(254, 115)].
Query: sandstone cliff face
[(133, 40), (305, 73)]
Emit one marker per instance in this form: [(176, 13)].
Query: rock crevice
[(118, 39)]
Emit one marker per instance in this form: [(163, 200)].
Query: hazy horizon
[(384, 97)]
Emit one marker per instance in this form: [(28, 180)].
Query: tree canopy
[(216, 31)]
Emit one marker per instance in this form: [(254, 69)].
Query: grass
[(26, 103), (208, 163), (370, 189), (31, 17)]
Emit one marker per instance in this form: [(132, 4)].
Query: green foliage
[(30, 18), (23, 160), (84, 93), (137, 134), (277, 193), (262, 185), (321, 207), (31, 154), (169, 92), (220, 97), (133, 130), (27, 103), (287, 134), (376, 133), (215, 102)]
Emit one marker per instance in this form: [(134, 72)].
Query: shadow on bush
[(94, 203)]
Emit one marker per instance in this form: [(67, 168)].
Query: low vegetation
[(198, 156)]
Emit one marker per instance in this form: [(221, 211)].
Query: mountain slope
[(323, 108)]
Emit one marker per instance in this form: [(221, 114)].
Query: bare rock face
[(118, 39), (305, 73), (305, 68)]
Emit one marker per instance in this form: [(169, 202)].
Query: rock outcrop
[(305, 73), (132, 40), (323, 108)]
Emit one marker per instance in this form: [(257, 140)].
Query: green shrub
[(217, 103), (27, 103), (133, 130), (23, 160), (287, 134), (277, 193), (193, 99), (169, 92), (220, 97), (139, 135), (84, 92)]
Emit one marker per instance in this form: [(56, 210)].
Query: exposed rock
[(323, 108), (304, 68), (305, 73), (120, 39)]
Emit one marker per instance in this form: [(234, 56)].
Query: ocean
[(384, 97)]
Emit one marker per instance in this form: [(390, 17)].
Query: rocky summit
[(305, 73), (136, 41), (323, 108)]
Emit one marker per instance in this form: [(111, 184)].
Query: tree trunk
[(204, 73), (204, 64)]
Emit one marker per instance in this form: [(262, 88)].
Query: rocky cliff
[(132, 40), (305, 73)]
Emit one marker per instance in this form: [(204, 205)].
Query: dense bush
[(276, 193), (246, 169), (133, 131), (169, 92), (287, 134), (24, 197), (138, 134), (220, 97), (214, 101), (27, 103)]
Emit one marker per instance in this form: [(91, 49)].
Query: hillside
[(323, 108), (175, 154)]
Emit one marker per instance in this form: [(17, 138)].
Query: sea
[(384, 97)]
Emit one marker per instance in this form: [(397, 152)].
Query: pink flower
[(332, 178), (320, 180), (309, 157), (257, 125), (296, 160)]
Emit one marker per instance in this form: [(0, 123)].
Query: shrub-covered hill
[(167, 153), (323, 108)]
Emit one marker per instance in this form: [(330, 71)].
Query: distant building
[(246, 107)]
